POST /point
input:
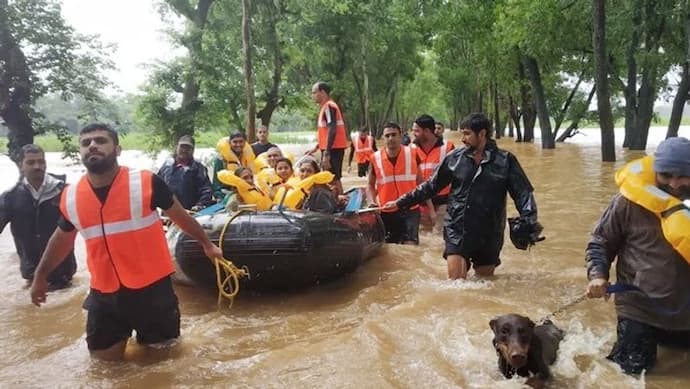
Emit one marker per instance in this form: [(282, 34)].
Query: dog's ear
[(493, 323)]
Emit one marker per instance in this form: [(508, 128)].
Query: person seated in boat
[(245, 191), (322, 197), (233, 152), (286, 177), (266, 176)]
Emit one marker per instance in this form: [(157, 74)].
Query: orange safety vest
[(340, 141), (430, 161), (364, 149), (394, 181), (125, 243)]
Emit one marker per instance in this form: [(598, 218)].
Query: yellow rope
[(227, 274)]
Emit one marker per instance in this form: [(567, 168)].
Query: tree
[(608, 152), (248, 76), (40, 54)]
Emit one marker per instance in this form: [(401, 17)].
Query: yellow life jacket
[(267, 178), (231, 160), (637, 182), (248, 193), (298, 192)]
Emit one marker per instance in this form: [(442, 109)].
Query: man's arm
[(218, 187), (371, 185), (4, 211), (204, 186), (521, 190), (352, 153), (332, 124), (438, 180), (192, 228), (59, 246), (607, 239)]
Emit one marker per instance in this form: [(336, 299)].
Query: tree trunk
[(248, 74), (190, 104), (630, 91), (273, 99), (683, 87), (498, 129), (532, 68), (365, 85), (15, 89), (645, 108), (515, 116), (527, 108), (608, 144)]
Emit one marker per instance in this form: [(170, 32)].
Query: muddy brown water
[(397, 322)]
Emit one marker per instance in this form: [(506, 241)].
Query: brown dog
[(524, 348)]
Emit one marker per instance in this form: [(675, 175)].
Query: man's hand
[(311, 151), (432, 216), (213, 251), (326, 162), (597, 288), (390, 206), (39, 290)]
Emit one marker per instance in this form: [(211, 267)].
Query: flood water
[(397, 322)]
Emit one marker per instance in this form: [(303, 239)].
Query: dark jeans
[(635, 348)]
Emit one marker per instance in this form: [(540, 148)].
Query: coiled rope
[(227, 274)]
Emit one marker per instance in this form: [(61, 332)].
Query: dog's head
[(512, 337)]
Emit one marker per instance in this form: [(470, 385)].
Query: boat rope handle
[(227, 274)]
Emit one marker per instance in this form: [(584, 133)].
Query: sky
[(136, 28)]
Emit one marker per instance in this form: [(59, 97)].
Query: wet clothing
[(125, 243), (152, 312), (401, 226), (189, 183), (476, 215), (635, 349), (258, 147), (477, 257), (633, 235), (33, 216)]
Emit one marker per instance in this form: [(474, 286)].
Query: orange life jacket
[(364, 148), (340, 141), (125, 243), (429, 162), (394, 181)]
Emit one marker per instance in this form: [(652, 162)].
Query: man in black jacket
[(32, 208), (187, 177), (480, 175)]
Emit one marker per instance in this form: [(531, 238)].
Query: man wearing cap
[(233, 152), (647, 228), (187, 177)]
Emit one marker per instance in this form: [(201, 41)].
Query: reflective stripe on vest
[(340, 141), (136, 221), (125, 242), (407, 176), (363, 152)]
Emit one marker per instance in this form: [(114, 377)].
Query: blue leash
[(622, 288)]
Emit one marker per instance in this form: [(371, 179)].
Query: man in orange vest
[(393, 173), (331, 133), (431, 150), (362, 148), (114, 209)]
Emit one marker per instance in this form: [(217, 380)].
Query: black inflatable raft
[(282, 249)]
